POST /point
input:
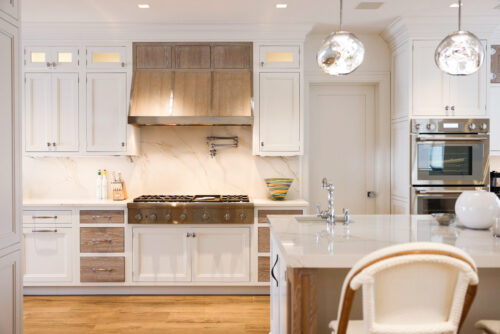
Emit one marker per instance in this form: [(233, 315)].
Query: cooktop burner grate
[(190, 198)]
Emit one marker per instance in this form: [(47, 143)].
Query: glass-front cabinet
[(106, 57), (64, 58), (279, 57)]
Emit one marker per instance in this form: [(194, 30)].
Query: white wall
[(173, 160)]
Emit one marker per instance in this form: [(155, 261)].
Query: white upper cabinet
[(436, 93), (101, 57), (10, 7), (279, 120), (51, 104), (64, 58), (106, 112), (279, 57)]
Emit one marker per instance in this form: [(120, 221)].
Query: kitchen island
[(308, 265)]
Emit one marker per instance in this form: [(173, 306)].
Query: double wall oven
[(448, 156)]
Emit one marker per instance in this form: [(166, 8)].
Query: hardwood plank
[(232, 94), (264, 240), (262, 214), (146, 314), (192, 94), (101, 216), (264, 269), (153, 56), (192, 56), (102, 269), (102, 240), (231, 56)]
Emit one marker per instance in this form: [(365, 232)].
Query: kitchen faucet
[(329, 214)]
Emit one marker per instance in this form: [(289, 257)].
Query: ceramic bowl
[(278, 187), (477, 209), (444, 218)]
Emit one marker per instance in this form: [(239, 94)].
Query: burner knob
[(183, 216), (243, 216), (417, 126), (483, 126), (153, 216), (472, 126), (205, 216), (227, 216), (168, 217), (138, 216)]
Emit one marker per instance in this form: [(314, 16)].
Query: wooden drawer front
[(264, 240), (46, 217), (262, 214), (101, 240), (102, 269), (264, 269), (101, 216)]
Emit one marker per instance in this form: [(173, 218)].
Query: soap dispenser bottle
[(98, 187)]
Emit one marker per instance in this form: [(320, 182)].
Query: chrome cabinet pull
[(453, 108), (49, 64), (48, 144), (447, 108), (100, 240), (194, 235), (123, 64), (44, 230), (97, 217), (188, 235), (43, 217), (102, 269), (54, 144), (272, 270)]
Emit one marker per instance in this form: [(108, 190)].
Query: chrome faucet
[(328, 214)]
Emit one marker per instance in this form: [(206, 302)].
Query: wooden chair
[(488, 326), (413, 288)]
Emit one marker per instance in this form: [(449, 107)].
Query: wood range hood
[(192, 84)]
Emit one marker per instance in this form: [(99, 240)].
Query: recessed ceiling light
[(369, 5), (281, 5), (143, 6)]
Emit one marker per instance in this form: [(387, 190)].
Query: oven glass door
[(444, 203), (441, 162)]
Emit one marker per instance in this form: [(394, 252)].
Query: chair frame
[(348, 299)]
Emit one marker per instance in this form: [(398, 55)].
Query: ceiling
[(321, 13)]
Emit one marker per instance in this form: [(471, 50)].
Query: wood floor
[(146, 314)]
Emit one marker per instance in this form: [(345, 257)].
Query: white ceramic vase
[(477, 209)]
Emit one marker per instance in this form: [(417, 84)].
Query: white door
[(48, 254), (106, 112), (279, 115), (64, 112), (342, 145), (221, 254), (468, 94), (161, 254), (430, 84), (38, 117)]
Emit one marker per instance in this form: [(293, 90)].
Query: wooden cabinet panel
[(264, 270), (192, 94), (192, 56), (231, 56), (102, 240), (263, 239), (152, 93), (262, 214), (495, 64), (232, 94), (102, 269), (101, 216), (153, 56)]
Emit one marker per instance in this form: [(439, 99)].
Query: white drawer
[(47, 217)]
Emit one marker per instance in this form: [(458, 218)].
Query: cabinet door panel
[(65, 112), (11, 293), (231, 56), (161, 255), (48, 254), (430, 85), (192, 56), (279, 57), (279, 112), (102, 57), (232, 94), (494, 110), (38, 57), (106, 112), (495, 64), (191, 94), (10, 7), (66, 58), (38, 112), (153, 57), (468, 94), (221, 254)]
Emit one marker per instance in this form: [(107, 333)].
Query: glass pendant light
[(460, 53), (341, 52)]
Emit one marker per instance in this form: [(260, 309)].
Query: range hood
[(191, 84)]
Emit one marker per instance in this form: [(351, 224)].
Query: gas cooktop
[(192, 199)]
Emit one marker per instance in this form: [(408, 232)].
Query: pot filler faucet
[(329, 214)]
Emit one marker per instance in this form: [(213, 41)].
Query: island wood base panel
[(146, 314)]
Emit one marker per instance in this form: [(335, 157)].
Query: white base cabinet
[(278, 291), (172, 254), (11, 304)]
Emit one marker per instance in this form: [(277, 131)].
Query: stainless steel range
[(191, 209)]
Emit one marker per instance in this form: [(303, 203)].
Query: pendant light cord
[(459, 15), (341, 9)]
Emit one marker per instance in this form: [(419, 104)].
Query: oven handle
[(439, 191), (449, 138)]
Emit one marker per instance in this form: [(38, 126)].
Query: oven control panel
[(440, 125)]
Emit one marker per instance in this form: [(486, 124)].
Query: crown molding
[(164, 32), (434, 27)]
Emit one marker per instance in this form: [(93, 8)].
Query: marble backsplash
[(173, 160)]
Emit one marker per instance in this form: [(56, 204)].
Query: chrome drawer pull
[(44, 230), (97, 217), (43, 217), (102, 269), (101, 240)]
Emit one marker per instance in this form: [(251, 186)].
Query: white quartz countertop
[(306, 244), (262, 202), (74, 202)]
